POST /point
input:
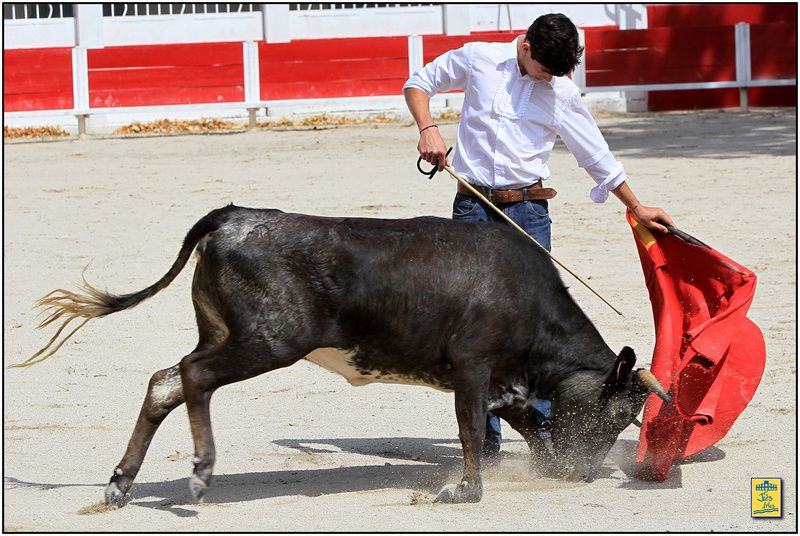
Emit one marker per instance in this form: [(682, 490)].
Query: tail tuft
[(60, 303), (65, 306)]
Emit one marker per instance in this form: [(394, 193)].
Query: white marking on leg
[(164, 390)]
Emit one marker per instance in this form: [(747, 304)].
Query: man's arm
[(651, 217), (431, 144), (584, 140), (448, 71)]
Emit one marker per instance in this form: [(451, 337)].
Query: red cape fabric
[(708, 355)]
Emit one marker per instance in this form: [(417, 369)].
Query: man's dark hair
[(554, 43)]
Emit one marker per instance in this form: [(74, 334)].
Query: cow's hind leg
[(201, 374), (164, 393), (471, 390)]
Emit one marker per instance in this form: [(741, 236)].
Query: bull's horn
[(652, 385)]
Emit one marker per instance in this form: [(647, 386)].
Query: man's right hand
[(432, 148)]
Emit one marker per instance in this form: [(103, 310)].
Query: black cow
[(470, 308)]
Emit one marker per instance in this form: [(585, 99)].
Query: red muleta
[(708, 354)]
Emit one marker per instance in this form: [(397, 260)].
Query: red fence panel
[(350, 67), (773, 51), (146, 75), (37, 79), (694, 15), (434, 46), (660, 56), (703, 99)]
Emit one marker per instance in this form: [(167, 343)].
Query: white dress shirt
[(509, 121)]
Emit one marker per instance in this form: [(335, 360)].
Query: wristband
[(429, 126)]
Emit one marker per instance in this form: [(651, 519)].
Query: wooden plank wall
[(145, 75), (37, 79)]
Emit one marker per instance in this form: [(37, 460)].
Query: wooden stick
[(480, 196)]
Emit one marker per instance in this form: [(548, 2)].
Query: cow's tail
[(92, 303)]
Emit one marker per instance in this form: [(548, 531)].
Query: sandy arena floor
[(299, 449)]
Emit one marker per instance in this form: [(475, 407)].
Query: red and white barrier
[(712, 66)]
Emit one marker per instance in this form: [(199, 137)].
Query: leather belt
[(532, 193)]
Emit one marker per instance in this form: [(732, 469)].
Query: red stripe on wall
[(694, 15), (311, 50), (150, 75), (771, 53), (331, 68), (155, 97), (434, 46), (660, 56), (720, 98), (37, 79), (198, 54)]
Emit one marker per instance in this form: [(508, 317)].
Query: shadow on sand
[(425, 465)]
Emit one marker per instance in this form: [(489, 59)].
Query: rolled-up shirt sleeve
[(584, 140), (447, 72)]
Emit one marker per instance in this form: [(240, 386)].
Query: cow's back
[(400, 297)]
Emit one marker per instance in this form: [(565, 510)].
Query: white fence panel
[(39, 33), (196, 28), (365, 22), (144, 10), (488, 17)]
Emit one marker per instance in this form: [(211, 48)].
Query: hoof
[(114, 497), (445, 496), (197, 487), (462, 493)]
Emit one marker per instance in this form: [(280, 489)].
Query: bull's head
[(590, 412)]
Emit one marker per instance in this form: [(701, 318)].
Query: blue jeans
[(534, 218)]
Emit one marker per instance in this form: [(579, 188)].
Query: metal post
[(277, 23), (455, 18), (743, 73), (579, 74), (415, 57), (80, 87), (252, 81), (89, 25), (82, 126)]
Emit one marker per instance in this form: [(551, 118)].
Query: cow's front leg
[(470, 396)]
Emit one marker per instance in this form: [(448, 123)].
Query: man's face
[(530, 66)]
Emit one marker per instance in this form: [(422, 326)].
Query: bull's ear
[(623, 366), (619, 375)]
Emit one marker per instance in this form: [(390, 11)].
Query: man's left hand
[(653, 217)]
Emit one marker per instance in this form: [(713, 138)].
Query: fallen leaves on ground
[(325, 120), (33, 132), (174, 126), (97, 508), (203, 125), (177, 455), (449, 115)]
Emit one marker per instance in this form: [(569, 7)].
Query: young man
[(517, 98)]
